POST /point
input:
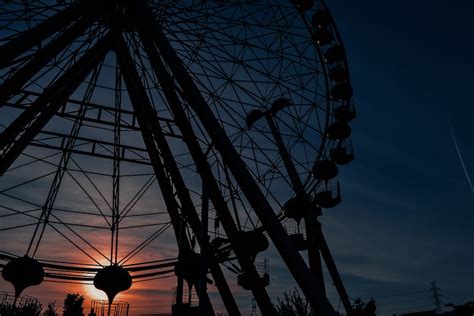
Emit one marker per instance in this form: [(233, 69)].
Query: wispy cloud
[(458, 150)]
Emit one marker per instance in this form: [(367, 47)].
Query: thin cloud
[(458, 150)]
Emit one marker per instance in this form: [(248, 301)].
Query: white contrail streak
[(460, 158)]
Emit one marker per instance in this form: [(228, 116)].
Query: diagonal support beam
[(331, 265), (20, 44), (190, 213), (297, 266), (151, 137), (192, 217), (298, 187), (13, 84), (205, 171), (47, 104)]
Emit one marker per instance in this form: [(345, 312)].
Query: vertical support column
[(116, 167), (297, 266)]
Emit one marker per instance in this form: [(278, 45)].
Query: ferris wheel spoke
[(231, 40), (26, 182), (299, 136), (16, 227), (236, 84), (98, 191), (76, 245), (60, 222), (285, 156), (14, 212), (269, 164), (16, 198), (75, 233), (144, 244), (136, 197), (259, 174), (90, 198)]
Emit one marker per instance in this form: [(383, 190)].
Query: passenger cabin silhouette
[(329, 197), (343, 153)]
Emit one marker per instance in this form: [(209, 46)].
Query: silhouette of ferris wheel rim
[(250, 100)]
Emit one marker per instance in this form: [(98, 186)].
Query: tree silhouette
[(292, 305), (51, 310), (73, 305), (360, 308), (29, 309)]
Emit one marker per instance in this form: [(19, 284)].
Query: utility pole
[(436, 296), (203, 302), (254, 307)]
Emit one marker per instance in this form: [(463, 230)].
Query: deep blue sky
[(407, 212)]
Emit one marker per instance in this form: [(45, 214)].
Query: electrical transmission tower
[(436, 296)]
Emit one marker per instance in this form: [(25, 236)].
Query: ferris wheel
[(219, 123)]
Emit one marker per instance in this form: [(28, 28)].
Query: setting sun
[(93, 293)]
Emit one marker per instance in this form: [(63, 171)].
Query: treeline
[(73, 306)]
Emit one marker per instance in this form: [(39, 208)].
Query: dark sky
[(407, 212)]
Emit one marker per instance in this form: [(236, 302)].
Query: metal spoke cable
[(52, 194), (144, 244)]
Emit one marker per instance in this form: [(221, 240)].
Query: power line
[(411, 300), (409, 308), (397, 295)]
